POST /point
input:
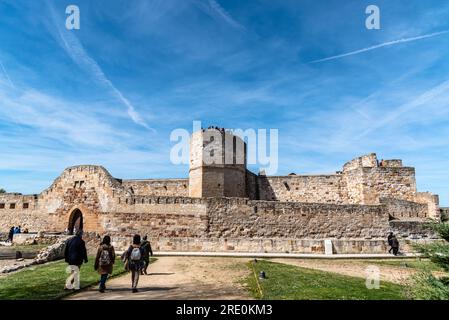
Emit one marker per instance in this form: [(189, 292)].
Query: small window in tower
[(212, 153), (26, 205), (287, 186), (12, 206), (212, 139)]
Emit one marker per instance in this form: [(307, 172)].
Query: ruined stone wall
[(299, 188), (252, 185), (234, 218), (353, 183), (17, 209), (366, 180), (405, 210), (158, 187), (362, 181), (432, 202), (171, 217), (90, 189), (388, 182)]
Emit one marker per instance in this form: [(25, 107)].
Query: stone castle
[(223, 207)]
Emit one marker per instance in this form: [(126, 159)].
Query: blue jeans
[(103, 279)]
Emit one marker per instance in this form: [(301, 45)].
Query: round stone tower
[(217, 164)]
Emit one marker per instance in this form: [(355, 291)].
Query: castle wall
[(231, 218), (432, 201), (158, 187), (393, 182), (362, 181), (405, 210), (158, 217), (352, 207), (252, 185), (299, 188), (16, 209)]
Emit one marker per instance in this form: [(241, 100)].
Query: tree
[(424, 285), (2, 190)]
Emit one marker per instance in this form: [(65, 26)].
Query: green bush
[(438, 253), (425, 286), (442, 229)]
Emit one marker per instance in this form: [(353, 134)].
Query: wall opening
[(75, 222)]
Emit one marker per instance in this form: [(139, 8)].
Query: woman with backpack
[(134, 261), (104, 261)]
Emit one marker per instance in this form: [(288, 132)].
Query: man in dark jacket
[(147, 252), (11, 234), (75, 253), (395, 245), (389, 239)]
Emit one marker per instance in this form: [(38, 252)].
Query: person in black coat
[(395, 245), (75, 254), (147, 252), (389, 239), (11, 234)]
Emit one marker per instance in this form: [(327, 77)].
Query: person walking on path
[(133, 259), (11, 234), (147, 252), (104, 261), (390, 236), (395, 245), (75, 253)]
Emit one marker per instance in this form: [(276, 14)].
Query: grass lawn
[(286, 282), (46, 282)]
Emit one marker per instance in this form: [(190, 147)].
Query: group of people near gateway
[(136, 260)]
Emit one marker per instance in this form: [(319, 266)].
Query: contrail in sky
[(6, 75), (76, 51), (385, 44)]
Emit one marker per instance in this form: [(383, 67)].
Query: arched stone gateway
[(75, 221)]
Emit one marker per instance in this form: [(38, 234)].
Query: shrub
[(425, 286)]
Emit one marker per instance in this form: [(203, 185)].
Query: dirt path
[(352, 268), (181, 278)]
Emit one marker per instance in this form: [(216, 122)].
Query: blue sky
[(111, 92)]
